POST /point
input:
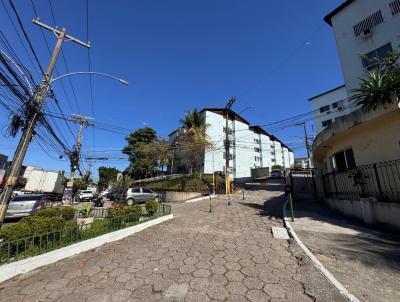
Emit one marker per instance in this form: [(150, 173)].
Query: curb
[(200, 199), (8, 271), (327, 274)]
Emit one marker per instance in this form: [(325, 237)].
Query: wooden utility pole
[(38, 100), (227, 146)]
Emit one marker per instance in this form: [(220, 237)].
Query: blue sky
[(178, 55)]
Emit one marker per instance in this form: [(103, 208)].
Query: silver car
[(25, 205), (139, 195)]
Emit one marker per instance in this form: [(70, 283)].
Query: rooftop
[(326, 92), (328, 17)]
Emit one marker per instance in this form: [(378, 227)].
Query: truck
[(45, 182)]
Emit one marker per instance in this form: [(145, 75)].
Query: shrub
[(98, 227), (116, 211), (67, 213), (134, 211), (48, 213), (14, 231), (40, 225), (151, 207)]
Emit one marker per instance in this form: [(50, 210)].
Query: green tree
[(107, 175), (193, 143), (276, 167), (81, 183), (147, 153), (382, 85)]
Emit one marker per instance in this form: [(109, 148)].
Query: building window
[(344, 160), (256, 149), (395, 7), (326, 123), (256, 158), (370, 59), (368, 23), (273, 160), (272, 153), (339, 106), (257, 141), (324, 109)]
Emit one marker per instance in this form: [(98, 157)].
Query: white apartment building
[(328, 106), (250, 146), (365, 31)]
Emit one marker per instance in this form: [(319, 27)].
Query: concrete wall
[(350, 47), (171, 196), (369, 211), (336, 95), (373, 136)]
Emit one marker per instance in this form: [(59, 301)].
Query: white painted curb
[(13, 269), (327, 274), (200, 199)]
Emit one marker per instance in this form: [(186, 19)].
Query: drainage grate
[(280, 233)]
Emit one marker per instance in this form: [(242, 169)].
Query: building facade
[(365, 31), (251, 147), (328, 106)]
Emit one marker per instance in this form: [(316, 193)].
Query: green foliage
[(48, 213), (67, 213), (81, 183), (135, 211), (152, 207), (276, 167), (382, 85), (107, 175), (180, 184), (14, 231), (98, 227), (193, 143), (86, 211)]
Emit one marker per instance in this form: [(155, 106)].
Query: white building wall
[(278, 153), (286, 160), (244, 144), (328, 99), (291, 158), (351, 47), (214, 156), (266, 151)]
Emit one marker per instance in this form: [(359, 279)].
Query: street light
[(125, 82)]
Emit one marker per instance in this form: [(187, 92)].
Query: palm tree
[(382, 86), (194, 141)]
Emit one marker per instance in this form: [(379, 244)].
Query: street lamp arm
[(89, 72)]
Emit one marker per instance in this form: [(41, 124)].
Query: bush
[(98, 227), (39, 225), (14, 231), (151, 207), (48, 213), (116, 211), (67, 213), (135, 212)]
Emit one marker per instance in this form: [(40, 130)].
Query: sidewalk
[(365, 260)]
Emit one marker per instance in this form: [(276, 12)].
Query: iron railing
[(41, 243), (379, 180)]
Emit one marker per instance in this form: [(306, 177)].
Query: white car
[(84, 195), (104, 193)]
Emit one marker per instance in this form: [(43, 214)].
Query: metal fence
[(380, 180), (41, 243)]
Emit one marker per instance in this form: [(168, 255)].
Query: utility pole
[(38, 100), (307, 145), (227, 146), (83, 122)]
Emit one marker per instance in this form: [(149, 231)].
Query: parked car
[(140, 195), (276, 174), (104, 193), (117, 194), (25, 205), (84, 195)]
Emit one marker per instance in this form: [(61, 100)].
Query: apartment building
[(251, 146), (366, 31)]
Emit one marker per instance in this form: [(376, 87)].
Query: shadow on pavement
[(373, 246)]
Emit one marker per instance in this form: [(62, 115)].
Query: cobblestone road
[(226, 255)]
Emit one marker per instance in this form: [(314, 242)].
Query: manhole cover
[(280, 233)]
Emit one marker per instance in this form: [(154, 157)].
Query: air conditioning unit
[(366, 33)]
